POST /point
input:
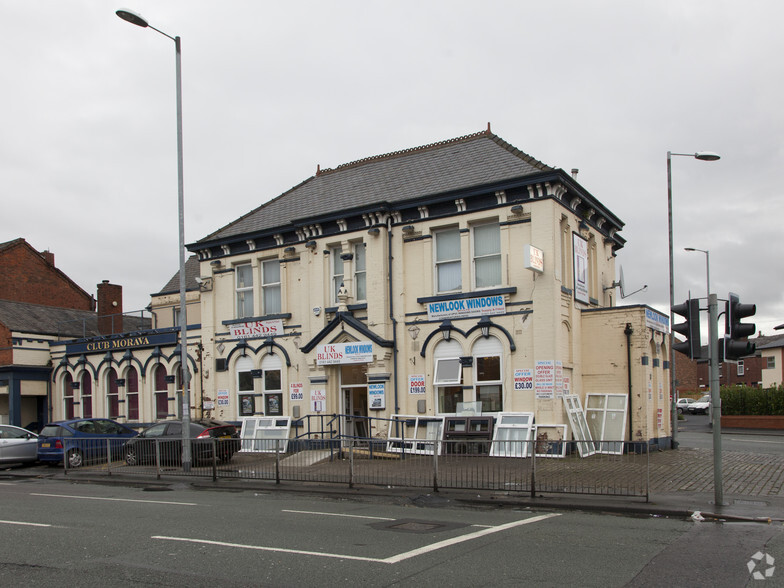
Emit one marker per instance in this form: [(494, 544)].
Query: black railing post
[(533, 470), (351, 463), (277, 461), (214, 459), (157, 459)]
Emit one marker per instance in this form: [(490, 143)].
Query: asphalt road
[(58, 533), (695, 431)]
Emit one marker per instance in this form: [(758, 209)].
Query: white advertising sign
[(533, 258), (657, 321), (343, 353), (559, 377), (416, 384), (523, 380), (580, 268), (376, 396), (466, 307), (318, 399), (296, 391), (545, 379), (223, 397), (256, 329)]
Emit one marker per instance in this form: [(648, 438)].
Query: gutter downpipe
[(391, 312), (628, 332)]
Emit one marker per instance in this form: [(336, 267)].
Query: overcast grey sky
[(271, 90)]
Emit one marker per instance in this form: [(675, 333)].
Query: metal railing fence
[(436, 464)]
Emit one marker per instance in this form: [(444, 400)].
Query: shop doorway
[(354, 400)]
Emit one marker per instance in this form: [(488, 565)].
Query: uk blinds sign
[(344, 353)]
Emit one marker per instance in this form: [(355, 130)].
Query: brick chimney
[(48, 257), (110, 308)]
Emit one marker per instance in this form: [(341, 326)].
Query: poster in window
[(580, 246), (247, 405), (274, 404)]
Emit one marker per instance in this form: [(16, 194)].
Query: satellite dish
[(622, 283)]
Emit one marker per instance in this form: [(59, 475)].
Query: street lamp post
[(715, 390), (139, 21), (703, 156)]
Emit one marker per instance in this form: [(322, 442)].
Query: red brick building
[(693, 377)]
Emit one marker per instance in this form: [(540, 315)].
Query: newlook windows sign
[(466, 307)]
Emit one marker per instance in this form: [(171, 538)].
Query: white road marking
[(389, 560), (25, 524), (115, 499), (336, 514), (350, 516), (753, 441)]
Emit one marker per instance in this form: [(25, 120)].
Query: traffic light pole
[(713, 317)]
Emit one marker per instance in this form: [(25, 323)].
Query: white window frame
[(580, 430), (606, 418), (360, 273), (243, 291), (741, 371), (335, 278), (457, 377), (437, 263), (476, 257), (419, 434), (512, 435), (272, 363), (554, 446), (267, 287), (265, 434)]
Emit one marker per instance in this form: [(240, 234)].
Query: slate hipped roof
[(439, 168), (192, 271)]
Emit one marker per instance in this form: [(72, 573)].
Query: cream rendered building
[(459, 276)]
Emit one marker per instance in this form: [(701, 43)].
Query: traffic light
[(690, 329), (736, 333)]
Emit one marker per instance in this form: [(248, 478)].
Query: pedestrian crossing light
[(690, 329), (736, 333)]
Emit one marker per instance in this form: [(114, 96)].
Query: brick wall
[(29, 276)]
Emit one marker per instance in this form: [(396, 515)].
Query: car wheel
[(130, 457), (75, 458), (680, 410)]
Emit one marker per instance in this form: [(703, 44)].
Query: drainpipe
[(628, 332), (391, 312)]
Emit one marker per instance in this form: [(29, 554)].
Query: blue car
[(82, 441)]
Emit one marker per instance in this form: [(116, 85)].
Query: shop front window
[(161, 393), (488, 381), (112, 395), (448, 376), (246, 399), (68, 397), (273, 391)]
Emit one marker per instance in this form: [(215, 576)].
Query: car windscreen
[(51, 431)]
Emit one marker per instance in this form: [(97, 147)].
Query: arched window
[(112, 395), (273, 393), (488, 381), (448, 376), (132, 393), (68, 397), (246, 400), (161, 393), (87, 395)]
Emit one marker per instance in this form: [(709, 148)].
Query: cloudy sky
[(271, 90)]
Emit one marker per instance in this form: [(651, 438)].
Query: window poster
[(545, 379), (296, 391), (580, 247), (247, 404)]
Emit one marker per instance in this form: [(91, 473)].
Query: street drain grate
[(416, 526)]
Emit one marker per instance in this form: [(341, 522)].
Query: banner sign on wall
[(580, 246), (545, 379), (657, 321), (376, 396), (119, 343), (523, 380), (343, 353), (318, 399), (416, 384), (559, 391), (256, 329), (223, 397), (296, 391), (466, 307)]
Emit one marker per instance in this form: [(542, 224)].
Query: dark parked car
[(167, 435), (82, 440), (17, 445)]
